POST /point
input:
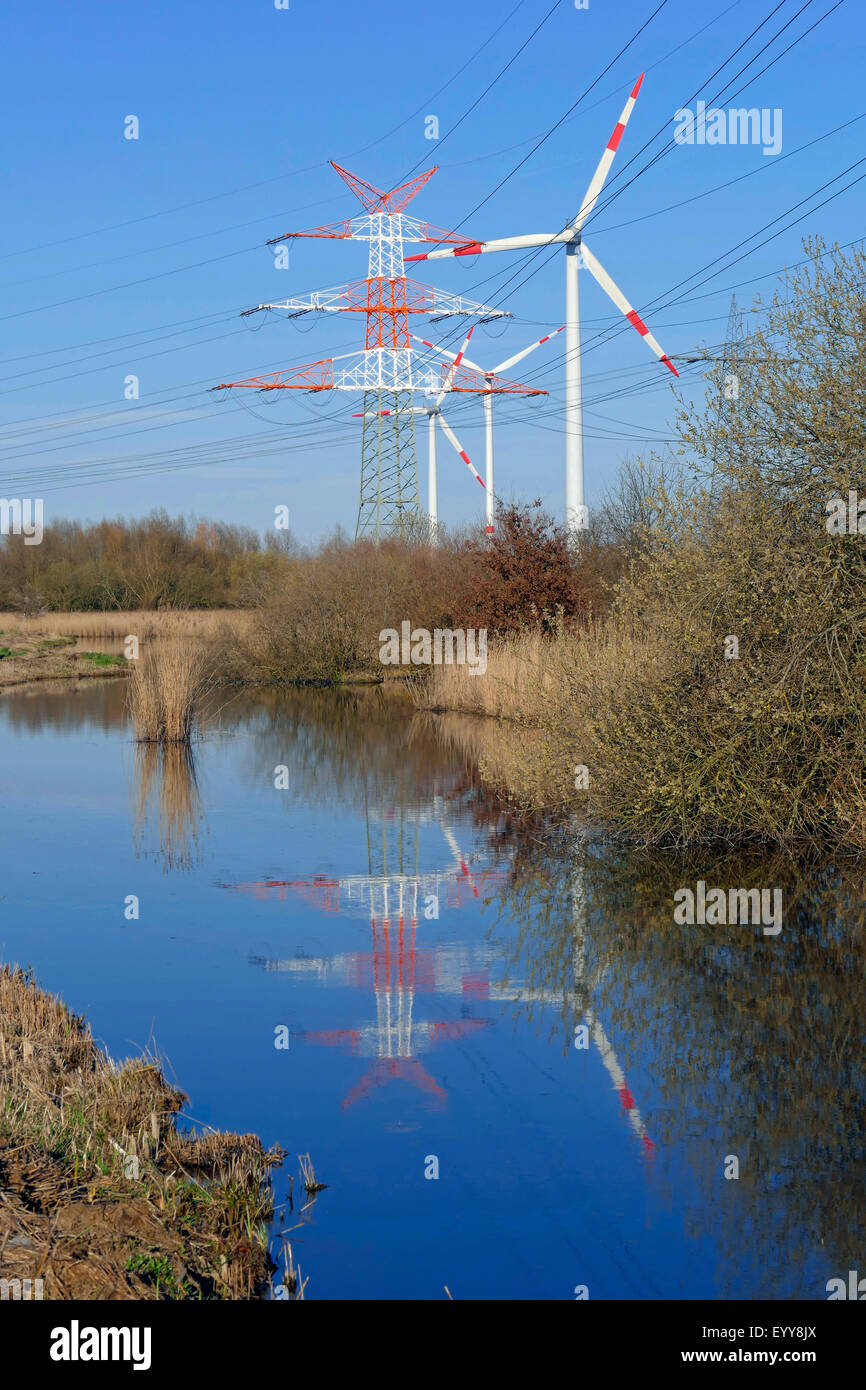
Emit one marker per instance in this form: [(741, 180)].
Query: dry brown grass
[(538, 680), (543, 697), (102, 1196), (167, 684), (519, 678), (143, 624)]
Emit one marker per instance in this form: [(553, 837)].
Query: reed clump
[(167, 684), (103, 1196)]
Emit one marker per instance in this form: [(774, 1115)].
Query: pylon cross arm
[(335, 231), (487, 384), (315, 376)]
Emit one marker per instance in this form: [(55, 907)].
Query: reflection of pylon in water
[(398, 967), (392, 895), (398, 970), (392, 847), (394, 886)]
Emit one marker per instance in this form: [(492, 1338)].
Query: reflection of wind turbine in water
[(392, 893), (578, 996), (583, 992)]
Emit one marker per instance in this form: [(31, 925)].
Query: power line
[(500, 74), (729, 183), (534, 256), (260, 183), (611, 197), (557, 124)]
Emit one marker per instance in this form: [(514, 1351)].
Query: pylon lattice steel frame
[(389, 369)]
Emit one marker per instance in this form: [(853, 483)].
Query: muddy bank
[(101, 1195)]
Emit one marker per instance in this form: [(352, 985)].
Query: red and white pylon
[(571, 237), (389, 369), (487, 401)]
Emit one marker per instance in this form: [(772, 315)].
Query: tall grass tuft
[(168, 683)]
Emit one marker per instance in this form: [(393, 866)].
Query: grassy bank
[(56, 646), (27, 655), (103, 1197)]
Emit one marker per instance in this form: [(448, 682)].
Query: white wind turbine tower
[(487, 399), (576, 248)]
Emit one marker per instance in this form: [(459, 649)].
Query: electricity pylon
[(389, 369), (729, 380)]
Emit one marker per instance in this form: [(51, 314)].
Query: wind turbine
[(493, 385), (434, 413), (487, 399), (576, 250)]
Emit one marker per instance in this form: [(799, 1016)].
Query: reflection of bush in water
[(166, 781), (345, 743), (60, 706), (754, 1044)]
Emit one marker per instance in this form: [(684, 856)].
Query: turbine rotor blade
[(449, 376), (601, 173), (445, 353), (452, 438), (518, 357), (506, 243), (597, 270)]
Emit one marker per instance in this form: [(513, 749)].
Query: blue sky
[(122, 257)]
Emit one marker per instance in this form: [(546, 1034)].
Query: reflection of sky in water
[(315, 909)]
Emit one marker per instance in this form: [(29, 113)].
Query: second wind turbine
[(577, 253)]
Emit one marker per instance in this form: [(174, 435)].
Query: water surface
[(429, 960)]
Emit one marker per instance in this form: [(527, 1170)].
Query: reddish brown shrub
[(524, 575)]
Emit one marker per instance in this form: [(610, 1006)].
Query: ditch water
[(431, 964)]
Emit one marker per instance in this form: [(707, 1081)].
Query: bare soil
[(101, 1195)]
